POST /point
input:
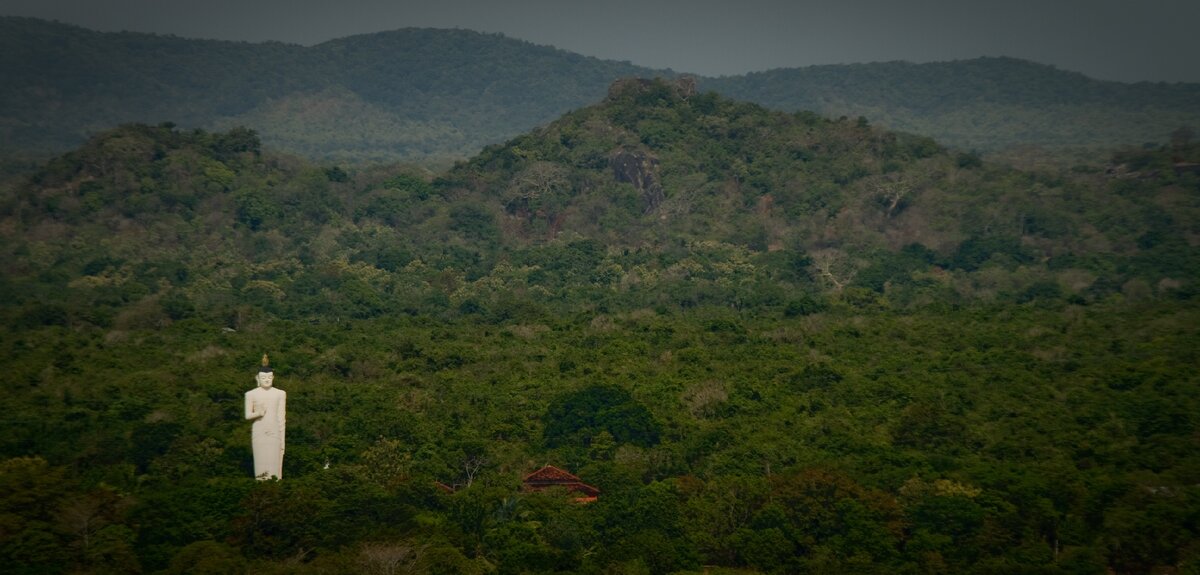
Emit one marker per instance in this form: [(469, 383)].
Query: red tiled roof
[(550, 474)]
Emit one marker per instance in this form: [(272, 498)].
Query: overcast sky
[(1124, 40)]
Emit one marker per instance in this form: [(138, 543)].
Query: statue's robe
[(267, 407)]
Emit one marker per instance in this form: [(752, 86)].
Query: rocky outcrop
[(683, 87), (640, 169)]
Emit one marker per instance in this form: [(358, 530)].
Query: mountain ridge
[(655, 169), (470, 89)]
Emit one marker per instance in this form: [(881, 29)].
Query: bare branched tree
[(85, 515), (82, 517), (389, 558), (472, 464), (892, 193), (539, 181), (834, 267), (704, 399)]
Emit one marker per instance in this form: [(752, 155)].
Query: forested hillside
[(432, 96), (775, 342)]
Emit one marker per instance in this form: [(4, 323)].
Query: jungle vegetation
[(777, 342)]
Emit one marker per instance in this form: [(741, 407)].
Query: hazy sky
[(1126, 40)]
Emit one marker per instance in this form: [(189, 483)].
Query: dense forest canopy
[(776, 342), (437, 95)]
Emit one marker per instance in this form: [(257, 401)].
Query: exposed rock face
[(640, 169), (683, 87), (686, 87)]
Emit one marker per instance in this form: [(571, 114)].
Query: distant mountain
[(64, 82), (984, 104), (408, 94), (421, 94)]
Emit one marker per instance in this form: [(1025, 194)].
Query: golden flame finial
[(265, 361)]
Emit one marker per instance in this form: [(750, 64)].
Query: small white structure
[(266, 406)]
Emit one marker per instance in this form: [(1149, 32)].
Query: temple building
[(551, 476)]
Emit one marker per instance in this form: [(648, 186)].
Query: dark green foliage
[(1045, 291), (894, 269), (958, 477), (55, 524), (239, 140), (177, 305), (776, 368), (152, 441), (336, 174), (580, 416), (411, 186), (968, 160), (973, 253), (803, 305), (253, 209), (473, 222), (207, 558)]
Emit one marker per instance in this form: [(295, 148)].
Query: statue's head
[(265, 376)]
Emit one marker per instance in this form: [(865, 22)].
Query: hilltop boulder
[(683, 87)]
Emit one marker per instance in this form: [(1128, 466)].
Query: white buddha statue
[(266, 406)]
